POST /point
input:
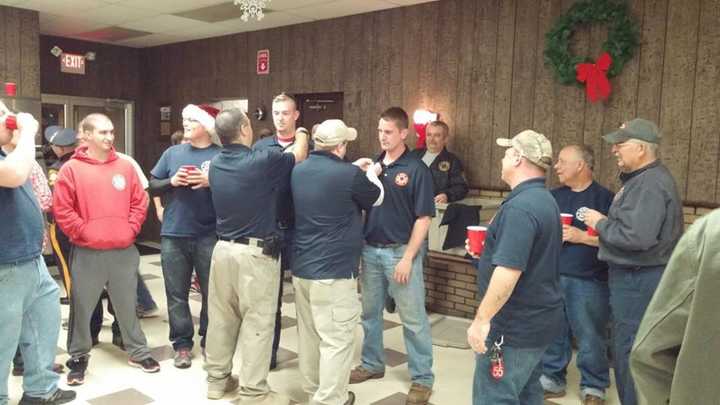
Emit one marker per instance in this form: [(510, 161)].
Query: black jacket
[(447, 174)]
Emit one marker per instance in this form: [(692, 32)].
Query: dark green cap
[(638, 128)]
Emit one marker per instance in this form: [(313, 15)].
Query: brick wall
[(450, 285)]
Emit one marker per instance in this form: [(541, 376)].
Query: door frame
[(69, 103)]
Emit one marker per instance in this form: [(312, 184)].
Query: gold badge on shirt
[(444, 166), (52, 177)]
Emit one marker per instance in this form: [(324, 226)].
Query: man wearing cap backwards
[(285, 116), (395, 236), (583, 279), (637, 237), (245, 275), (188, 227), (30, 314), (101, 205), (448, 181), (521, 310), (328, 242)]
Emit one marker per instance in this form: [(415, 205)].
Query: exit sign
[(71, 63)]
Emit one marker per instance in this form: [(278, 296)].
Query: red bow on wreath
[(594, 75)]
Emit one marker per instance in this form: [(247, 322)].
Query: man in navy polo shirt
[(246, 272), (395, 236), (521, 310), (188, 227), (285, 115), (583, 279), (30, 311), (329, 241)]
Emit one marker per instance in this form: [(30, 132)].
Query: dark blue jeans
[(179, 257), (630, 292), (519, 386), (587, 309)]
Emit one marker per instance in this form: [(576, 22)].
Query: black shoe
[(148, 365), (76, 375), (57, 398), (351, 398), (117, 340)]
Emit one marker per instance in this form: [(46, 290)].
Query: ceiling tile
[(216, 13), (341, 8), (151, 40), (291, 4), (162, 23), (272, 20), (112, 34), (11, 2), (115, 15), (70, 8), (66, 26), (170, 6), (409, 2)]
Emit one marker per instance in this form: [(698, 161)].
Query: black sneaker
[(148, 365), (76, 375), (57, 398)]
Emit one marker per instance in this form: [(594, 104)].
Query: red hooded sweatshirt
[(99, 205)]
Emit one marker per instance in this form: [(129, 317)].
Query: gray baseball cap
[(638, 128)]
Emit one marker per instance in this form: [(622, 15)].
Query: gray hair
[(651, 147), (228, 124), (587, 154)]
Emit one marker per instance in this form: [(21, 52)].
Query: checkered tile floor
[(110, 381)]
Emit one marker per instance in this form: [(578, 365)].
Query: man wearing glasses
[(637, 237)]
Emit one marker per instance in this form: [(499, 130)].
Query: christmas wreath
[(619, 47)]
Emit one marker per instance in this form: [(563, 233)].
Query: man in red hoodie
[(100, 205)]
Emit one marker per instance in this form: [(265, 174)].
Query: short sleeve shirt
[(245, 184), (526, 235), (188, 212), (408, 195)]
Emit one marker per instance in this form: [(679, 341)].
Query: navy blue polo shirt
[(577, 259), (245, 185), (188, 212), (408, 195), (22, 225), (329, 196), (526, 235)]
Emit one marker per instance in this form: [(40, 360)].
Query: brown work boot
[(359, 374), (550, 394), (593, 400), (418, 395)]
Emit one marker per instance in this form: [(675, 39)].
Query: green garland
[(621, 43)]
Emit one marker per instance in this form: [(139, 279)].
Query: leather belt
[(384, 245), (245, 241)]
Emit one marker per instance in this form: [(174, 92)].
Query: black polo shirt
[(285, 211), (329, 196), (526, 234), (408, 196), (245, 185)]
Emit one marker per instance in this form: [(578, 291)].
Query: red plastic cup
[(476, 236), (566, 219), (10, 89), (591, 231), (11, 122)]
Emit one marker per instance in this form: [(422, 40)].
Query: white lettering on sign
[(71, 63)]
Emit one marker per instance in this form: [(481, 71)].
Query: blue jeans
[(30, 316), (587, 310), (519, 386), (179, 256), (144, 298), (630, 293), (377, 282)]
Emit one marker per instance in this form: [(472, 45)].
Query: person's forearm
[(593, 241), (417, 237), (18, 163), (502, 284), (159, 186)]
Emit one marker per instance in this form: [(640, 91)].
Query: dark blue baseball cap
[(60, 136)]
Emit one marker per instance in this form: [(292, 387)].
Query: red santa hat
[(205, 115)]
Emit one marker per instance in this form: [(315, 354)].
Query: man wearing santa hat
[(188, 227)]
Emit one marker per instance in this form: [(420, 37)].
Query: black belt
[(243, 241), (384, 245)]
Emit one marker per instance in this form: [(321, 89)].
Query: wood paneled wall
[(480, 64), (19, 59)]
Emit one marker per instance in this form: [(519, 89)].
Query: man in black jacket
[(449, 183)]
